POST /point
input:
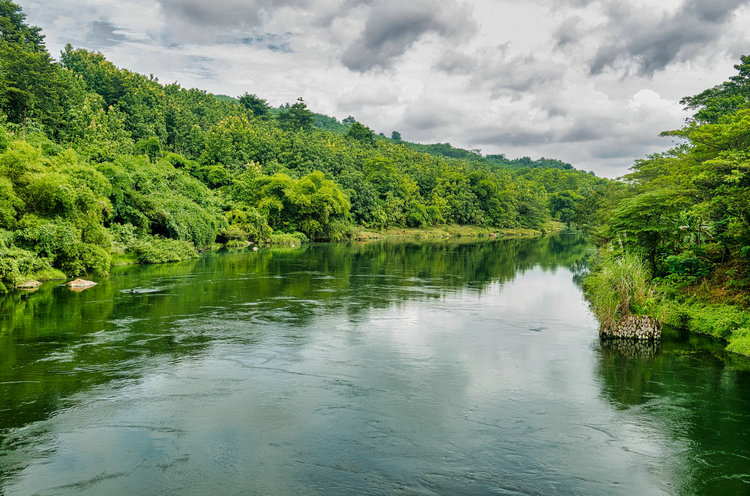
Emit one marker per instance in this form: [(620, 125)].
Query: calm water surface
[(387, 368)]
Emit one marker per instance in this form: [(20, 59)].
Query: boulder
[(28, 285), (81, 283), (635, 327)]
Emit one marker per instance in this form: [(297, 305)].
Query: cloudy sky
[(591, 82)]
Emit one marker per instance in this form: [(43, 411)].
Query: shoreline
[(444, 232), (619, 287)]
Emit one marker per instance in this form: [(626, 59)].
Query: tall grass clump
[(618, 286)]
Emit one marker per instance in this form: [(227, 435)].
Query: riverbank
[(454, 231), (620, 286), (166, 252)]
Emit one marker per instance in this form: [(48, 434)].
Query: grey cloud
[(568, 32), (394, 26), (520, 74), (514, 137), (649, 43), (456, 63), (205, 21), (269, 41), (590, 130), (502, 75), (225, 13), (103, 34), (427, 117)]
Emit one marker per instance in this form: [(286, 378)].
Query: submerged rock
[(642, 328), (80, 284), (29, 285)]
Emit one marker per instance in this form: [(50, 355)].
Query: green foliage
[(290, 239), (310, 205), (257, 105), (361, 133), (149, 147), (62, 243), (739, 341), (296, 117), (155, 249), (618, 286), (245, 223), (148, 249), (724, 99), (687, 213), (97, 160), (161, 199)]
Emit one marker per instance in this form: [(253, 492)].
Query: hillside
[(100, 164)]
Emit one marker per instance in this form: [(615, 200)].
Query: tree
[(296, 118), (361, 133), (14, 30), (396, 136), (259, 106), (724, 98)]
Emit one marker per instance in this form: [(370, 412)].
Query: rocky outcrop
[(641, 328), (80, 284), (29, 285)]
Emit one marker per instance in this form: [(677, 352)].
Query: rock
[(80, 284), (633, 327), (255, 248), (28, 285)]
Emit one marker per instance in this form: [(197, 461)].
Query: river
[(432, 368)]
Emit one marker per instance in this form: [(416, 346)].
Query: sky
[(589, 82)]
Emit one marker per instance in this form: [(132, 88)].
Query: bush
[(718, 320), (96, 259), (687, 268), (17, 264), (739, 341), (294, 238), (155, 249), (245, 223), (618, 286), (9, 273)]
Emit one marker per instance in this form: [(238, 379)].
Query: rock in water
[(642, 328), (27, 285), (80, 284)]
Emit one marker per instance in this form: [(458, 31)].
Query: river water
[(451, 368)]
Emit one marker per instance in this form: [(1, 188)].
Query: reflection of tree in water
[(54, 342), (684, 390)]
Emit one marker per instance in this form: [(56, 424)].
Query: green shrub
[(618, 286), (155, 249), (9, 273), (17, 264), (739, 341), (245, 223), (295, 238), (718, 320), (96, 259)]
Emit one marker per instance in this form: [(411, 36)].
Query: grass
[(45, 275), (617, 287), (446, 231), (287, 239)]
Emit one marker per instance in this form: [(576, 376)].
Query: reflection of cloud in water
[(376, 373)]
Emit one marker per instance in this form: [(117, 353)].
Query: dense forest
[(676, 234), (100, 165)]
